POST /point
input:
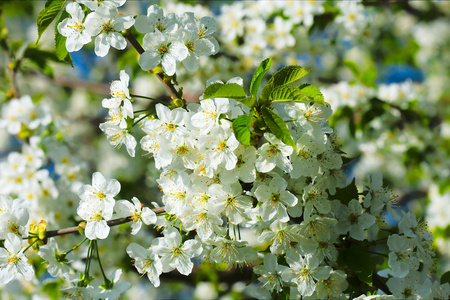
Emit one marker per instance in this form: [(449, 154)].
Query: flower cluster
[(168, 38), (212, 183), (171, 38), (22, 114), (120, 114), (97, 206), (104, 23)]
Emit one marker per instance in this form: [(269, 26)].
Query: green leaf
[(359, 260), (277, 126), (285, 93), (445, 278), (312, 92), (353, 67), (259, 74), (40, 59), (60, 41), (51, 288), (265, 93), (220, 90), (242, 129), (368, 77), (47, 15), (347, 193), (249, 101), (282, 77), (444, 186), (288, 74)]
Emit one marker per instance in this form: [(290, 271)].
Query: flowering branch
[(168, 85), (110, 223)]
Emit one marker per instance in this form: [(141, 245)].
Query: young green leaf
[(60, 41), (347, 193), (288, 74), (265, 93), (277, 126), (312, 92), (259, 74), (249, 101), (445, 278), (40, 59), (47, 15), (359, 260), (220, 90), (241, 129), (352, 67), (284, 93)]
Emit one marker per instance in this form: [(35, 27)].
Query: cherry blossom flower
[(118, 136), (282, 236), (275, 197), (119, 91), (139, 215), (73, 28), (146, 262), (101, 189), (161, 49), (174, 253), (13, 216), (230, 201), (116, 289), (273, 154), (94, 4), (13, 261), (353, 219), (58, 264), (106, 24), (95, 213), (157, 19), (304, 271), (270, 273)]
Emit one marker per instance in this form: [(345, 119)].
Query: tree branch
[(168, 85), (110, 223)]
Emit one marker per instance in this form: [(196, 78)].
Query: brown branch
[(168, 85), (110, 223), (98, 88)]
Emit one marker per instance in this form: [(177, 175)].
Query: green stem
[(30, 245), (88, 260), (99, 262), (148, 98), (291, 120), (77, 245), (140, 119), (139, 111)]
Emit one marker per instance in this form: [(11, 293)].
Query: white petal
[(169, 64), (178, 51), (117, 40), (149, 60), (191, 63), (101, 45)]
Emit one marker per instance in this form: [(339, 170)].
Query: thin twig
[(110, 223)]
